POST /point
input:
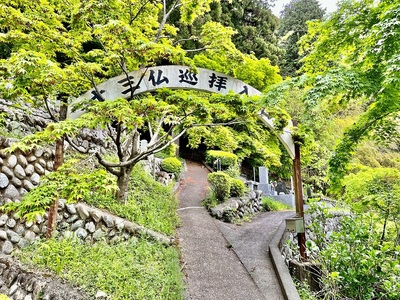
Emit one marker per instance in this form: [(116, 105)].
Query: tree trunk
[(58, 161), (59, 157), (123, 183), (384, 228)]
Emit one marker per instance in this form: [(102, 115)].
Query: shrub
[(233, 171), (170, 151), (220, 185), (227, 158), (354, 264), (237, 187), (171, 165)]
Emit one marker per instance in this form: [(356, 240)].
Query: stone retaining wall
[(20, 283), (21, 171), (308, 272), (74, 220), (237, 208)]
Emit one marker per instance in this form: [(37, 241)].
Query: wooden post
[(58, 161), (298, 187)]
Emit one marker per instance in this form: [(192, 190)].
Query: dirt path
[(224, 261)]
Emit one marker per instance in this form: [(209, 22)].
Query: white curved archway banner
[(176, 77)]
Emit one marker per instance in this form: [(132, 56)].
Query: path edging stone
[(282, 272)]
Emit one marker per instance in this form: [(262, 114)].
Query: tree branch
[(196, 50), (107, 165), (165, 17)]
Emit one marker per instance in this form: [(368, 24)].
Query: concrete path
[(221, 260)]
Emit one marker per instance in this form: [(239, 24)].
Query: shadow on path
[(221, 260)]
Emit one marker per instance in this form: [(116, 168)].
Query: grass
[(269, 204), (211, 201), (136, 269), (150, 203)]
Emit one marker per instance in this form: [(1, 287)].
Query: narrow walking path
[(224, 261)]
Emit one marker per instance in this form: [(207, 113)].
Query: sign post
[(298, 187)]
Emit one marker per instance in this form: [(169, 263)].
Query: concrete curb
[(285, 280)]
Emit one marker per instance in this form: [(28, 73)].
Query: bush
[(71, 182), (237, 187), (227, 158), (233, 171), (172, 165), (354, 263), (170, 151), (220, 185)]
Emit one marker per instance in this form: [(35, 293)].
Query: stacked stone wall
[(236, 208), (21, 171), (73, 220), (21, 283)]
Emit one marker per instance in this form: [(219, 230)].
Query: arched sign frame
[(178, 77), (182, 77)]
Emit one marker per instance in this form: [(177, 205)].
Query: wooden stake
[(298, 187)]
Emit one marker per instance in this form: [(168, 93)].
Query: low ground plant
[(135, 269), (149, 204), (269, 204)]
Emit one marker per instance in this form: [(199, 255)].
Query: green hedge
[(171, 165), (237, 187), (220, 184), (227, 158)]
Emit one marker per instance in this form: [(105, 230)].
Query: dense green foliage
[(135, 269), (171, 165), (253, 22), (378, 191), (237, 187), (354, 264), (226, 159), (350, 85), (354, 55), (293, 25), (220, 184), (243, 134)]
